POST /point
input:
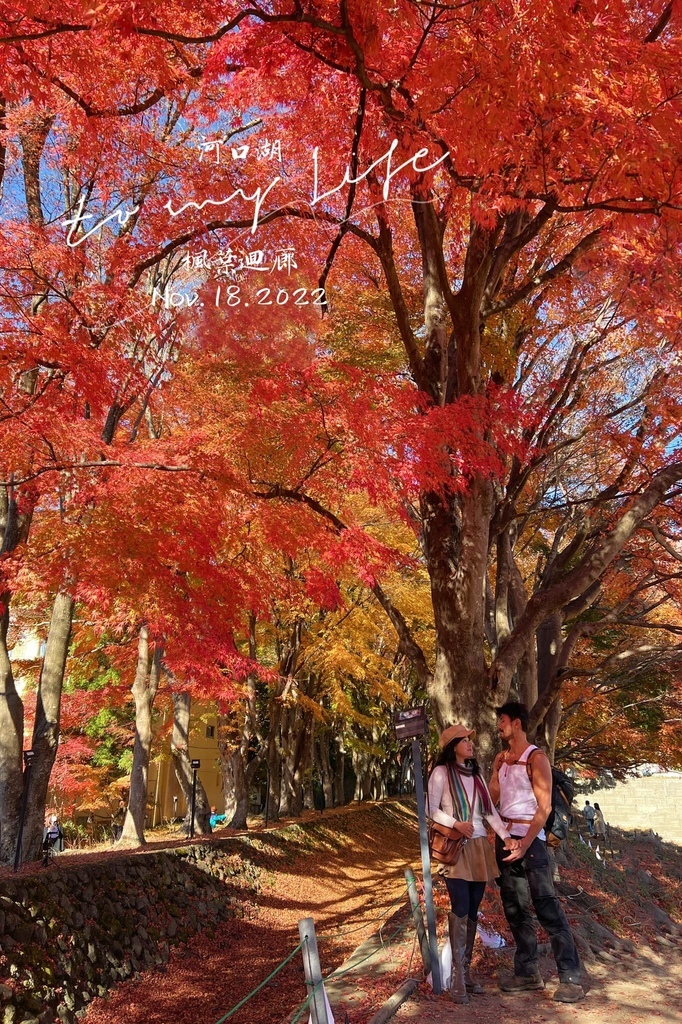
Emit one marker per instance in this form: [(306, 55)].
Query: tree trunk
[(549, 643), (238, 776), (456, 536), (307, 764), (339, 774), (551, 725), (11, 746), (293, 736), (144, 691), (274, 755), (363, 773), (182, 703), (46, 725), (325, 769), (235, 788), (14, 527), (378, 768), (240, 764), (277, 724)]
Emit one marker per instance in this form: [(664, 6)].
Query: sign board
[(410, 723), (196, 763)]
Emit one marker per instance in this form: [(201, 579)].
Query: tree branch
[(661, 25), (583, 246), (407, 645), (577, 580)]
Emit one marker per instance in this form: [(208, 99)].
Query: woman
[(599, 824), (459, 798), (53, 838)]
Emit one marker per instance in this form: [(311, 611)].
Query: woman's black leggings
[(465, 897)]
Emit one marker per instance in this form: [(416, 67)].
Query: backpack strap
[(555, 782), (529, 766), (525, 761)]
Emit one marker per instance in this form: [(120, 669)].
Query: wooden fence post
[(313, 972), (418, 919)]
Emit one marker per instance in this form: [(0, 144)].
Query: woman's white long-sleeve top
[(440, 807)]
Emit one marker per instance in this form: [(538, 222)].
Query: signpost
[(412, 724)]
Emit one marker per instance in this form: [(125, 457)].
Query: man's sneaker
[(521, 983), (569, 992)]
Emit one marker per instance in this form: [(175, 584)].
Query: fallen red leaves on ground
[(349, 888)]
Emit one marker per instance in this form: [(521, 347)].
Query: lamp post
[(412, 724), (196, 764), (28, 761)]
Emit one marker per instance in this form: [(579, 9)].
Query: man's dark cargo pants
[(526, 880)]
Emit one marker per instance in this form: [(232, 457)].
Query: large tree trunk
[(46, 725), (549, 644), (362, 767), (456, 535), (144, 691), (182, 703), (292, 731), (235, 789), (239, 762), (276, 746), (11, 746), (14, 527), (551, 725)]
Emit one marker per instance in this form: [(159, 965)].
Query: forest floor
[(345, 870)]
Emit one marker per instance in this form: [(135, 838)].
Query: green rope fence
[(334, 974), (262, 984)]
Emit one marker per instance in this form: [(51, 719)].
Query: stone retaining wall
[(69, 934)]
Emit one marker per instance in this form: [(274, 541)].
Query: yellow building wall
[(165, 800)]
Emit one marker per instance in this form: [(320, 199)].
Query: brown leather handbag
[(445, 843)]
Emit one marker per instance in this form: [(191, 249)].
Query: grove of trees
[(339, 369)]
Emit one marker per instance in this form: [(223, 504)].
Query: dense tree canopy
[(315, 307)]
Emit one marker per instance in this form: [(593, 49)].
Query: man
[(588, 815), (525, 799)]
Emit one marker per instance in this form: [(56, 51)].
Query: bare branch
[(666, 545), (661, 25)]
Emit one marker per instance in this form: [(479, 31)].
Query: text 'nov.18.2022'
[(234, 296)]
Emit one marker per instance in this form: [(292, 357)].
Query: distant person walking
[(117, 820), (459, 799), (53, 838), (522, 782), (216, 819), (588, 815), (599, 824)]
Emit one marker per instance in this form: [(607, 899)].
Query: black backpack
[(559, 818)]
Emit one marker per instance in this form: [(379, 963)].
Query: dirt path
[(350, 889), (646, 990), (346, 886)]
